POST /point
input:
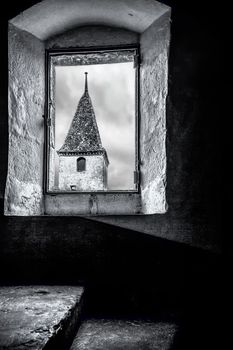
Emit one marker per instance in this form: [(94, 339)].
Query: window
[(81, 164), (92, 110), (32, 186)]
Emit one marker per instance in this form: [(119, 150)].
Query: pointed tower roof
[(83, 136)]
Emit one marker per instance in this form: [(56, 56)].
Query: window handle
[(136, 177)]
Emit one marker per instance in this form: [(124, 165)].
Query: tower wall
[(92, 179)]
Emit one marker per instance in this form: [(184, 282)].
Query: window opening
[(81, 164), (92, 112)]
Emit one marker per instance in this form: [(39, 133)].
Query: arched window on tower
[(81, 164)]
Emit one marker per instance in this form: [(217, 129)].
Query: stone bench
[(39, 317)]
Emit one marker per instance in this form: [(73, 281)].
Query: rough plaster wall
[(135, 15), (92, 179), (3, 112), (153, 85), (52, 154), (23, 195), (93, 204), (92, 36)]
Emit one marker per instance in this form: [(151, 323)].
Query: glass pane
[(94, 119)]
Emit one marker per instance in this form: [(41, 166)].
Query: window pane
[(81, 164), (95, 118)]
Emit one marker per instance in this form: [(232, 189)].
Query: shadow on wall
[(126, 274), (139, 270)]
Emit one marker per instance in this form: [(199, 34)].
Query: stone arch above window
[(74, 24), (81, 164)]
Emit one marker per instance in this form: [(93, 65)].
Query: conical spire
[(83, 135)]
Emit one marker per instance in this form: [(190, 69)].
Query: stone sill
[(39, 316)]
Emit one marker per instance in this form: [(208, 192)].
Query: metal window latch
[(51, 103), (47, 120), (136, 177), (137, 60)]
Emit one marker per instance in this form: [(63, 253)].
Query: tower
[(83, 161)]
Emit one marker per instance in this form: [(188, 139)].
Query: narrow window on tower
[(92, 121), (81, 164)]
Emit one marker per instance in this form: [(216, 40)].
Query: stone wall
[(23, 193), (92, 36), (153, 83), (121, 269), (92, 179)]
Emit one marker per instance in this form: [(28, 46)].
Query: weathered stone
[(33, 316), (24, 198), (23, 195), (94, 58), (134, 15), (118, 334), (92, 36), (153, 81), (92, 179), (93, 204)]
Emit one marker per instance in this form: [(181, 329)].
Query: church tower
[(83, 162)]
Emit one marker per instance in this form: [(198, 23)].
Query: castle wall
[(92, 179), (24, 186)]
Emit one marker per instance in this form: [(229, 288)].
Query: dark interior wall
[(126, 273), (194, 131), (194, 142), (123, 270)]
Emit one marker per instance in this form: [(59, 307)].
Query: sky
[(112, 91)]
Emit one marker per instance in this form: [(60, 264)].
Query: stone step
[(39, 317), (109, 334)]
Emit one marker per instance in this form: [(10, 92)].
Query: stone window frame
[(82, 164), (25, 192), (110, 54)]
